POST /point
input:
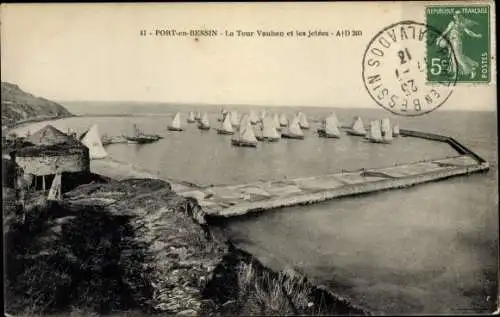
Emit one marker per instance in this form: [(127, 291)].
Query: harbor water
[(428, 249)]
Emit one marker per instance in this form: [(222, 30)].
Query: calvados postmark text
[(395, 70)]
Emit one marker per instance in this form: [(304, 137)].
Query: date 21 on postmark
[(465, 36)]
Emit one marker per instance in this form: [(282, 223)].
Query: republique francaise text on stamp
[(465, 31)]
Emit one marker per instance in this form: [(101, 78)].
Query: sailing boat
[(191, 118), (226, 126), (293, 131), (55, 189), (374, 134), (395, 130), (283, 120), (92, 140), (253, 117), (245, 137), (176, 123), (357, 127), (303, 123), (140, 137), (329, 127), (204, 124), (269, 132)]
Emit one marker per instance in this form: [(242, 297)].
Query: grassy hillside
[(19, 106), (135, 248)]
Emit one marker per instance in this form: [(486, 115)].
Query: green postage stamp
[(464, 37)]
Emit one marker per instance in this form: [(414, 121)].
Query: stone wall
[(46, 165)]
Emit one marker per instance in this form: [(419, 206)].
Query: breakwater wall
[(349, 190), (460, 148), (230, 201)]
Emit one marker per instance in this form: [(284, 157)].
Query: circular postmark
[(395, 67)]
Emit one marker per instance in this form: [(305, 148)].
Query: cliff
[(136, 246), (19, 106)]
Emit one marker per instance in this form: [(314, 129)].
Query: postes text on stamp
[(395, 73), (467, 30)]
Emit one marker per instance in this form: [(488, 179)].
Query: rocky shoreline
[(135, 245)]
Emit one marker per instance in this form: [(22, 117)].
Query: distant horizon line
[(443, 108)]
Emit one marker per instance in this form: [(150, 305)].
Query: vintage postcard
[(234, 159)]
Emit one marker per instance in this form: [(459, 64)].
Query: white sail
[(226, 124), (283, 120), (235, 119), (294, 127), (92, 140), (176, 122), (334, 117), (395, 130), (247, 135), (55, 188), (375, 132), (303, 123), (191, 117), (358, 126), (330, 125), (197, 116), (204, 120), (269, 129)]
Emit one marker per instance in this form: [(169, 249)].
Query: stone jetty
[(235, 200)]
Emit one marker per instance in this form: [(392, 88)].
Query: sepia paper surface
[(108, 36)]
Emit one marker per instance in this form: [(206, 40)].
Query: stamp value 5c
[(465, 36)]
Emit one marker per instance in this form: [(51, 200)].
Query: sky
[(95, 52)]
